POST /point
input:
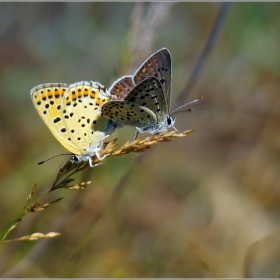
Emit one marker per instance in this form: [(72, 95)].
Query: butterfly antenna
[(41, 162), (176, 110), (189, 110)]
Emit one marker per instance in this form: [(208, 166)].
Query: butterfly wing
[(127, 113), (149, 94), (84, 125), (158, 65), (47, 100), (143, 107), (121, 87)]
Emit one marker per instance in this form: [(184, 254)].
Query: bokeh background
[(202, 206)]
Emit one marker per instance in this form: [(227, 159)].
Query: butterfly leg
[(99, 156), (101, 141), (161, 134), (90, 162), (176, 129), (137, 130)]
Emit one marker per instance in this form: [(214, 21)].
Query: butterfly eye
[(169, 121), (75, 159)]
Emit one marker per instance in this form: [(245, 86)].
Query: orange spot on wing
[(74, 96), (92, 94), (103, 100)]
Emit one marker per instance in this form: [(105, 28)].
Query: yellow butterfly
[(72, 113)]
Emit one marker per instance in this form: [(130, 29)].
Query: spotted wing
[(47, 100), (149, 94), (158, 65), (127, 113), (84, 126), (121, 87), (143, 106)]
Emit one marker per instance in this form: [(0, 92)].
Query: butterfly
[(72, 114), (143, 99)]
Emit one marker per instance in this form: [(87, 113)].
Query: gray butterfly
[(143, 100)]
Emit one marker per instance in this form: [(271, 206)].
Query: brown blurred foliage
[(202, 206)]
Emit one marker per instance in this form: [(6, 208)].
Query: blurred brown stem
[(212, 39)]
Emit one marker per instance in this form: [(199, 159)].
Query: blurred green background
[(202, 206)]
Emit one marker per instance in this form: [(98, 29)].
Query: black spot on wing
[(56, 120)]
